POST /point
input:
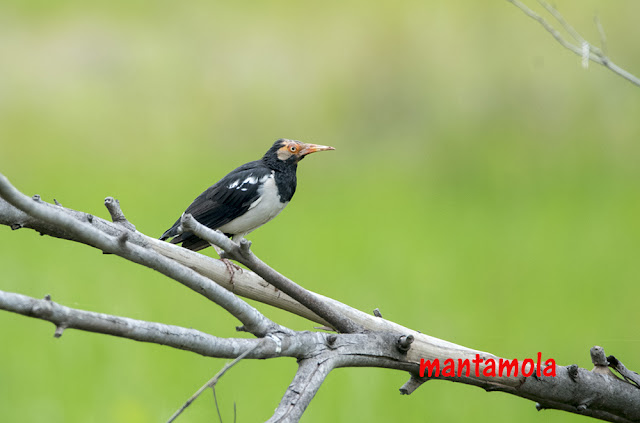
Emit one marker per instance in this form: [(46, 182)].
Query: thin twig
[(593, 53), (556, 14), (211, 383), (215, 400), (603, 36)]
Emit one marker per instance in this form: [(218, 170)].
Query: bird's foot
[(232, 268)]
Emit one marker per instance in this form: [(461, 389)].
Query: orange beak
[(312, 148)]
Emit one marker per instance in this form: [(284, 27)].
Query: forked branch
[(243, 254), (212, 382), (581, 47)]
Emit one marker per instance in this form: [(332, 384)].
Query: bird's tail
[(171, 232), (188, 240)]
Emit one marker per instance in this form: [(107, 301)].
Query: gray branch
[(585, 49), (382, 343), (138, 330), (117, 216), (243, 283), (294, 344), (308, 379), (243, 254), (84, 231)]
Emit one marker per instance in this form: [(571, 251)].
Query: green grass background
[(484, 189)]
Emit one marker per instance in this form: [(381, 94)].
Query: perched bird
[(249, 196)]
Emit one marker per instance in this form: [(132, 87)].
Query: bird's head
[(292, 151)]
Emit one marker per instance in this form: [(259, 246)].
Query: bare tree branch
[(603, 36), (308, 379), (558, 16), (243, 283), (585, 49), (252, 319), (138, 330), (243, 254), (117, 216), (383, 343)]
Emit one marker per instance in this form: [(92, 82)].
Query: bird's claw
[(231, 268)]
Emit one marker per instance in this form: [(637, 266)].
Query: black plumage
[(249, 196)]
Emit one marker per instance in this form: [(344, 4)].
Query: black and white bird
[(249, 196)]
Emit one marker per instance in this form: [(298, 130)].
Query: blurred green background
[(484, 189)]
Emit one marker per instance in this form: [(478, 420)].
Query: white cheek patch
[(283, 154)]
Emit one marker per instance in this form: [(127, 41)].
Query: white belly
[(265, 208)]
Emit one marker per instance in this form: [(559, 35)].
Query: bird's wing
[(230, 197)]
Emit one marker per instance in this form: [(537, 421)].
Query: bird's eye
[(293, 148)]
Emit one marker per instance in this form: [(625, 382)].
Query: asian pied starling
[(249, 196)]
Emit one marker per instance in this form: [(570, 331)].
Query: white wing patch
[(263, 209), (252, 180)]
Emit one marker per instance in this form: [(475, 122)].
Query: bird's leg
[(231, 267), (219, 250)]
